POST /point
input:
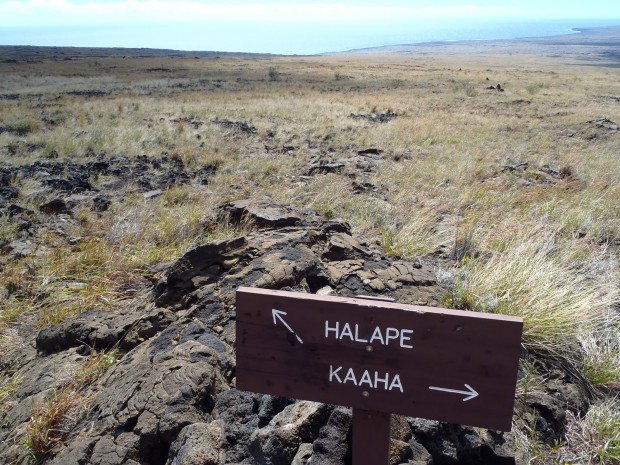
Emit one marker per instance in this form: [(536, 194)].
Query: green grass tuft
[(557, 303), (53, 419), (594, 438)]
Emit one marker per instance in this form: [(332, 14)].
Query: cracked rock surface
[(171, 400)]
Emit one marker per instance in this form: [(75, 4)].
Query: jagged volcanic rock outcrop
[(171, 400)]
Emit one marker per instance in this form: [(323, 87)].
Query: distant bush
[(8, 229), (536, 87), (274, 74), (465, 86), (21, 128)]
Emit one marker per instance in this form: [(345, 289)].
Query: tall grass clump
[(558, 303), (419, 235), (9, 383), (53, 419), (51, 422), (594, 438), (601, 361), (77, 280), (8, 230)]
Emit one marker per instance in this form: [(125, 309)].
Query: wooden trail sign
[(376, 356)]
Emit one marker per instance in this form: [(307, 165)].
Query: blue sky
[(42, 13), (278, 26)]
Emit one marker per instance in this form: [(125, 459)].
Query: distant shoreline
[(584, 35), (588, 45)]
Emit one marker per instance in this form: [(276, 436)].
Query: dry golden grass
[(516, 191), (452, 192), (595, 438), (54, 418), (559, 304)]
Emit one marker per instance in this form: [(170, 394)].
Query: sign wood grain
[(438, 364)]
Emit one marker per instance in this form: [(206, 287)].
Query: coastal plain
[(140, 188)]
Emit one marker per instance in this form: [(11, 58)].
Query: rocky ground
[(172, 399)]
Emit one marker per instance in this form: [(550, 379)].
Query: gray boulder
[(198, 444), (278, 442)]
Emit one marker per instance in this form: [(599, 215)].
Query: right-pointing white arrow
[(471, 393), (277, 315)]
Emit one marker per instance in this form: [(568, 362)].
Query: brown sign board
[(447, 365)]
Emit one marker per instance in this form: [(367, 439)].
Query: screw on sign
[(379, 358)]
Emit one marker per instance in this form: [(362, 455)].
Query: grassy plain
[(513, 194)]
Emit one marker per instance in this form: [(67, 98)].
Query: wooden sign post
[(379, 358)]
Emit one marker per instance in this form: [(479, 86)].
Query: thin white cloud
[(64, 12)]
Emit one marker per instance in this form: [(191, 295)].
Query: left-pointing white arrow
[(471, 393), (277, 315)]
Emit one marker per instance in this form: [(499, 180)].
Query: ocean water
[(292, 38)]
